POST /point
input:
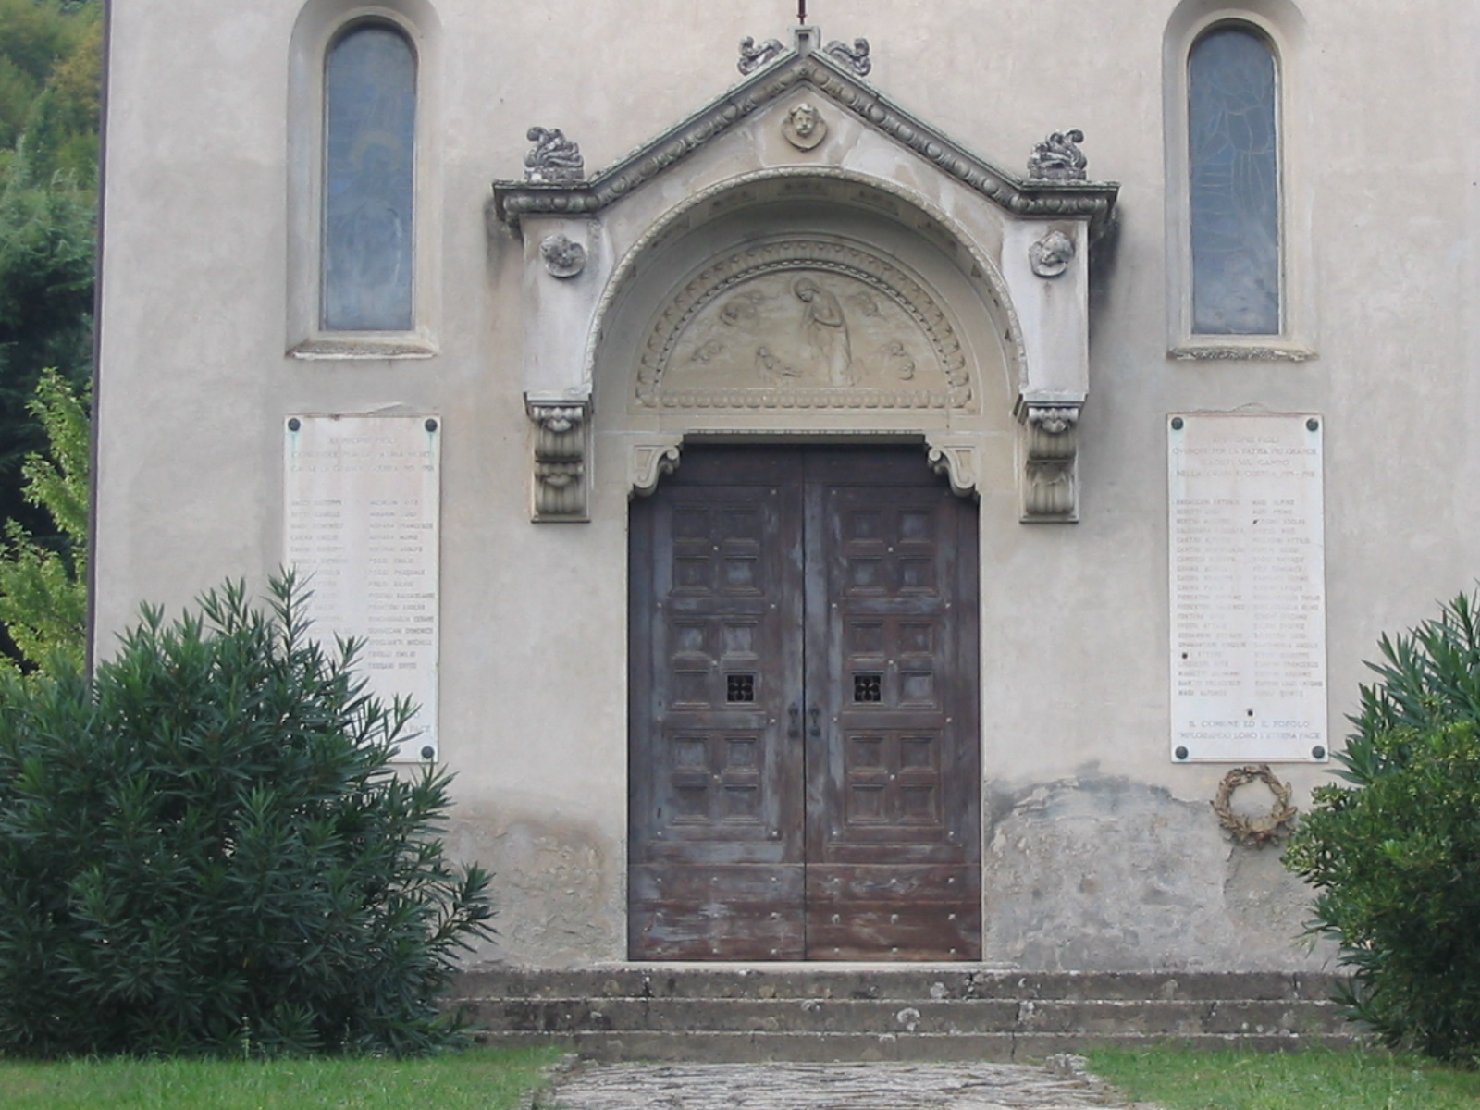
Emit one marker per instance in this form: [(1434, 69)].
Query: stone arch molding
[(801, 288)]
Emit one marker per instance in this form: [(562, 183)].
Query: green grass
[(489, 1079), (1317, 1079)]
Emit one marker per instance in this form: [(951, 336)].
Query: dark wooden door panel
[(804, 724), (893, 912), (747, 912), (716, 831), (893, 773)]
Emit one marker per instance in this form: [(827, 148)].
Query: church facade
[(918, 487)]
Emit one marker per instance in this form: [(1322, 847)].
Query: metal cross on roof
[(802, 12)]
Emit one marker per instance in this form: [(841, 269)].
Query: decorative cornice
[(513, 200)]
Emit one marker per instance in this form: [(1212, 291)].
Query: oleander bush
[(205, 849), (1394, 853)]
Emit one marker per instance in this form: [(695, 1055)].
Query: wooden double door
[(804, 753)]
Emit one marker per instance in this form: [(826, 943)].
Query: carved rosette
[(1050, 479), (1049, 257), (564, 257), (562, 448)]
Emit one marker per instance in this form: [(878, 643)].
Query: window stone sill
[(1260, 349), (351, 347)]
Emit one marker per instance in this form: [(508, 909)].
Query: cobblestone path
[(1061, 1086)]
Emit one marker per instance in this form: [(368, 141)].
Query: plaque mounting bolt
[(431, 425), (1318, 752), (428, 752), (1312, 424), (1176, 423), (294, 424), (1181, 752)]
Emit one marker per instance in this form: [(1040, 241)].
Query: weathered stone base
[(915, 1014)]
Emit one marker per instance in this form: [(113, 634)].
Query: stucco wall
[(1098, 851)]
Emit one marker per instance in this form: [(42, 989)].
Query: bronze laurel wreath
[(1254, 831)]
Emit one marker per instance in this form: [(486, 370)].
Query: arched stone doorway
[(804, 743)]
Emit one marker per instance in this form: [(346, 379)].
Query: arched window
[(367, 255), (1234, 183)]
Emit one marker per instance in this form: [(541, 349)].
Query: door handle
[(794, 727), (815, 718)]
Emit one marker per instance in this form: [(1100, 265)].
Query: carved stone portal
[(804, 323), (562, 448)]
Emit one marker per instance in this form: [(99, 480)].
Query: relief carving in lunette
[(803, 323)]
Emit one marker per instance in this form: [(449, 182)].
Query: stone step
[(975, 1016), (760, 1047), (913, 984), (807, 1014)]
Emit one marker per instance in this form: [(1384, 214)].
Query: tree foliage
[(43, 587), (206, 850), (1394, 855), (50, 86)]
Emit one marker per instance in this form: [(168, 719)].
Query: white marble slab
[(1246, 571), (360, 502)]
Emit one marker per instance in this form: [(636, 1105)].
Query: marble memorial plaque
[(1246, 571), (361, 528)]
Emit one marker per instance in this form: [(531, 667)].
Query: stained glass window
[(1234, 188), (369, 171)]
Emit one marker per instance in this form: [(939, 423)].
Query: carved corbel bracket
[(1050, 476), (957, 462), (562, 453), (649, 462)]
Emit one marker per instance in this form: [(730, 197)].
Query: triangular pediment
[(832, 82)]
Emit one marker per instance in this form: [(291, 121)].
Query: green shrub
[(1395, 855), (206, 850)]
